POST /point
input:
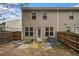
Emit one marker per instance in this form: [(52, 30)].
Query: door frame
[(37, 38), (76, 30)]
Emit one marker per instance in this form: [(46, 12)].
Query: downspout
[(57, 20)]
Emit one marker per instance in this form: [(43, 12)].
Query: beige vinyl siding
[(39, 22), (63, 18), (14, 25)]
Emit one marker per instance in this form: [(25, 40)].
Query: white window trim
[(46, 14), (49, 32), (33, 12), (28, 31)]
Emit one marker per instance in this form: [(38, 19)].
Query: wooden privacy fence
[(17, 35), (5, 37), (70, 39), (8, 36)]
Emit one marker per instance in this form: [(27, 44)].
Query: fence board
[(70, 39), (8, 36), (17, 35)]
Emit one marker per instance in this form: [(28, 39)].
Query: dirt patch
[(35, 49)]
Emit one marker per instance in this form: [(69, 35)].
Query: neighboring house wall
[(14, 25), (65, 21), (59, 21)]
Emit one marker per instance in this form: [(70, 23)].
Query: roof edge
[(50, 8)]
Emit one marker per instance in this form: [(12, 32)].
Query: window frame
[(68, 29), (46, 31), (71, 15), (34, 16), (29, 31), (49, 31), (45, 15), (26, 31)]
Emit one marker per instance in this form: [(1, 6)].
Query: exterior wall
[(14, 25), (39, 22), (77, 18), (77, 24), (63, 18)]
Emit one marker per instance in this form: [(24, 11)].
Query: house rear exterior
[(39, 23)]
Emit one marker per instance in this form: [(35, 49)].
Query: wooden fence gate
[(16, 35)]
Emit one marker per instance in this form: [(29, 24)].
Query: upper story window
[(45, 15), (33, 14), (71, 15)]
